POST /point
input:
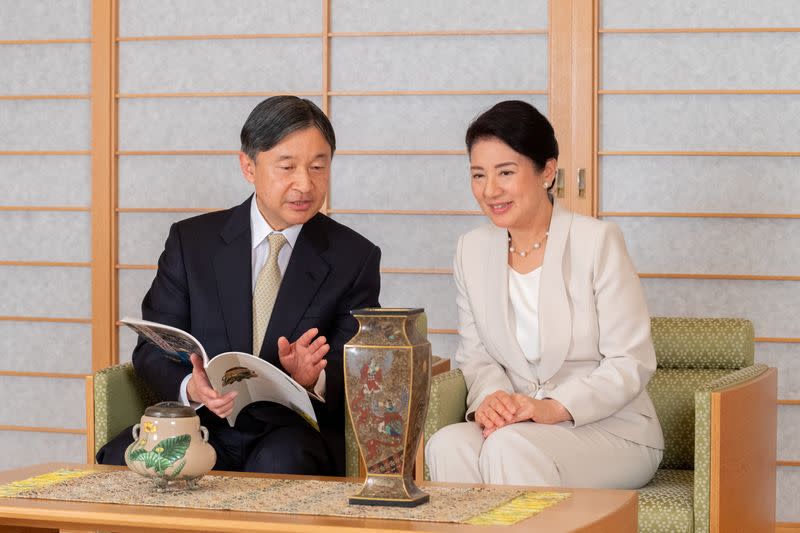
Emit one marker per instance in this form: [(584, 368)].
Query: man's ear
[(248, 167)]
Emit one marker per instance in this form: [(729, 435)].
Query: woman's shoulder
[(478, 237)]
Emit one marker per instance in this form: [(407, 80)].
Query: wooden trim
[(45, 41), (788, 463), (45, 152), (136, 267), (437, 271), (439, 331), (103, 135), (663, 214), (779, 340), (216, 37), (743, 471), (219, 94), (788, 402), (44, 97), (176, 152), (697, 91), (6, 427), (596, 113), (453, 212), (560, 87), (699, 30), (167, 209), (236, 152), (60, 320), (90, 419), (699, 153), (413, 92), (44, 208), (46, 264), (583, 81), (787, 527), (440, 33), (326, 84), (113, 354), (57, 375), (401, 152), (746, 277)]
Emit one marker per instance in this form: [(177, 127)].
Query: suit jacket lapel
[(304, 275), (555, 319), (232, 267), (496, 311)]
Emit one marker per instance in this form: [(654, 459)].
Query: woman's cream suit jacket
[(594, 328)]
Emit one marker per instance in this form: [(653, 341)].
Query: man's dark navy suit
[(204, 286)]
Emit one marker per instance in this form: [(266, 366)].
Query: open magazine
[(253, 378)]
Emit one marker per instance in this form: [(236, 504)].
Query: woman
[(554, 331)]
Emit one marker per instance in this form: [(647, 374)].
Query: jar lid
[(169, 410)]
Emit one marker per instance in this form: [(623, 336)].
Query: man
[(272, 277)]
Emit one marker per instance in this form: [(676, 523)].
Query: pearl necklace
[(524, 253)]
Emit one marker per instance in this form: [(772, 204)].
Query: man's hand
[(546, 411), (304, 359), (199, 389), (495, 411)]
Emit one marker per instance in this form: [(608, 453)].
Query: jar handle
[(204, 433), (135, 431)]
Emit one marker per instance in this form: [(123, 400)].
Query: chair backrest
[(691, 352)]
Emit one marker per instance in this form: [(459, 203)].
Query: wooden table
[(586, 510)]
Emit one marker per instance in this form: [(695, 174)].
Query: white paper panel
[(434, 293), (699, 13), (45, 68), (246, 65), (18, 449), (401, 182), (44, 125), (45, 180), (45, 291), (444, 345), (789, 432), (788, 488), (700, 122), (503, 62), (413, 241), (771, 305), (43, 402), (127, 341), (184, 123), (699, 184), (133, 285), (46, 347), (421, 15), (700, 61), (212, 181), (142, 235), (713, 245), (411, 122), (786, 358), (212, 17), (45, 236), (45, 19)]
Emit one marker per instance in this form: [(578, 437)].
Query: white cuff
[(319, 388), (183, 397)]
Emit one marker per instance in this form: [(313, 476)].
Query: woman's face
[(506, 184)]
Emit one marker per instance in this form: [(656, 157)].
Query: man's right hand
[(199, 389)]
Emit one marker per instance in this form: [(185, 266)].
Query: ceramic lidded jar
[(387, 385), (169, 444)]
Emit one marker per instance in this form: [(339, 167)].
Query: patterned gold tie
[(266, 290)]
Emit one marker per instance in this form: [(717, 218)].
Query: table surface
[(585, 510)]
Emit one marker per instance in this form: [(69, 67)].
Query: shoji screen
[(399, 80), (45, 229), (699, 123)]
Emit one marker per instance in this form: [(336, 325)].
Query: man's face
[(291, 179)]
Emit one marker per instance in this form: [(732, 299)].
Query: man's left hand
[(304, 358)]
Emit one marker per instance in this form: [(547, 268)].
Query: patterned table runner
[(464, 505)]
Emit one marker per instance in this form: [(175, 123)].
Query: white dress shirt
[(260, 230)]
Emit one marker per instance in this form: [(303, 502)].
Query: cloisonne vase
[(387, 384)]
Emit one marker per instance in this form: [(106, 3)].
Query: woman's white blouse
[(523, 295)]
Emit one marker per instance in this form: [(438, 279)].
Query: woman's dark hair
[(520, 126), (278, 116)]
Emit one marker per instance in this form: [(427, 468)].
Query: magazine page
[(255, 380), (176, 343)]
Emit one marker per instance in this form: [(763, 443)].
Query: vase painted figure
[(387, 384)]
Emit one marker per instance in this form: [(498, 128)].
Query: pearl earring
[(546, 185)]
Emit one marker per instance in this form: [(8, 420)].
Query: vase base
[(389, 502)]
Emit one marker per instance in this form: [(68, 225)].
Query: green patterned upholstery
[(120, 399), (703, 342), (666, 503)]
